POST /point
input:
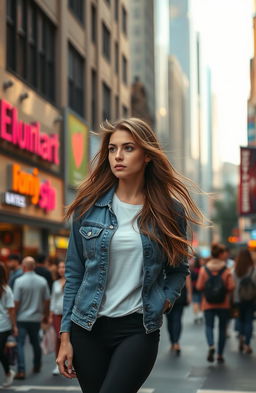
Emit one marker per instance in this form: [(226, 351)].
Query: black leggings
[(3, 358), (116, 356)]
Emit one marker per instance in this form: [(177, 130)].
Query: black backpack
[(247, 289), (215, 289)]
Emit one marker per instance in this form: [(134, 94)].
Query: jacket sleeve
[(175, 276), (74, 272)]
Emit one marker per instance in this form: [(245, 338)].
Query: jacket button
[(111, 227), (89, 323), (89, 234)]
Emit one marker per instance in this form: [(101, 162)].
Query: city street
[(189, 373)]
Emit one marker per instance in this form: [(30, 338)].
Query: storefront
[(31, 185)]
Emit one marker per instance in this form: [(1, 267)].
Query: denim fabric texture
[(87, 265)]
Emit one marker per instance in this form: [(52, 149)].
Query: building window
[(77, 8), (124, 70), (93, 24), (31, 46), (76, 66), (106, 113), (94, 99), (124, 111), (124, 20), (116, 10), (117, 107), (116, 57), (106, 42)]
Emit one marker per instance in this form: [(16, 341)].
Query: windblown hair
[(3, 278), (158, 217), (244, 262)]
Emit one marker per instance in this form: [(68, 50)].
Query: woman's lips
[(119, 167)]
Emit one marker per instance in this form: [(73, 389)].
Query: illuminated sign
[(27, 184), (9, 198), (27, 136)]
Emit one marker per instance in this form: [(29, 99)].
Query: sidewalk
[(191, 373), (188, 373)]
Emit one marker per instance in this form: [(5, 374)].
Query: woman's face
[(61, 269), (126, 158)]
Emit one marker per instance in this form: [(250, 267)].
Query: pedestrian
[(195, 267), (216, 282), (42, 270), (7, 323), (174, 317), (13, 263), (245, 297), (56, 307), (126, 261), (32, 297)]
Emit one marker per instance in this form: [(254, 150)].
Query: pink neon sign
[(27, 136)]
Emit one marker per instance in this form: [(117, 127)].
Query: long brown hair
[(244, 262), (158, 218), (3, 278)]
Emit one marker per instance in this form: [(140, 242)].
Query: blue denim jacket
[(87, 265)]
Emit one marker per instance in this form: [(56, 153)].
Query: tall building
[(64, 67), (141, 32), (177, 90), (185, 45)]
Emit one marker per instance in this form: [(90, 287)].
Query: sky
[(226, 27)]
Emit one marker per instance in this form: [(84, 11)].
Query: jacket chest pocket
[(90, 239)]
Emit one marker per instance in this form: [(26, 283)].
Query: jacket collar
[(106, 199)]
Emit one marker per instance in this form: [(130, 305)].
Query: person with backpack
[(245, 296), (216, 282)]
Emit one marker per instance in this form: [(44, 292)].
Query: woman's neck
[(130, 192)]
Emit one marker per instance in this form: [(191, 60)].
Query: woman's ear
[(147, 159)]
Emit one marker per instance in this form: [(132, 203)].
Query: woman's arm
[(74, 272), (12, 316)]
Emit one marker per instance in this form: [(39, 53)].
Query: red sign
[(247, 194), (27, 136)]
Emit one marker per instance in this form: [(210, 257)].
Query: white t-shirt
[(56, 305), (125, 275), (6, 301)]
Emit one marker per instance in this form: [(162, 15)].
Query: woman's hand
[(65, 358)]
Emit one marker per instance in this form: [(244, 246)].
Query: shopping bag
[(48, 342)]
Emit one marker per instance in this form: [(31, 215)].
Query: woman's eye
[(129, 148), (111, 149)]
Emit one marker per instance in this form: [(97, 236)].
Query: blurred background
[(185, 66)]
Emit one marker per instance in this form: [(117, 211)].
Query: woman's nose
[(119, 155)]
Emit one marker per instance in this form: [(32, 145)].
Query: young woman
[(216, 266), (244, 267), (126, 262), (56, 306), (7, 323)]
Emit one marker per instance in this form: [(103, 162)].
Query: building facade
[(141, 32), (64, 68)]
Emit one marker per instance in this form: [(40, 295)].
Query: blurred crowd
[(31, 301)]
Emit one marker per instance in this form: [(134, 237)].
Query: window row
[(77, 8), (31, 52)]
